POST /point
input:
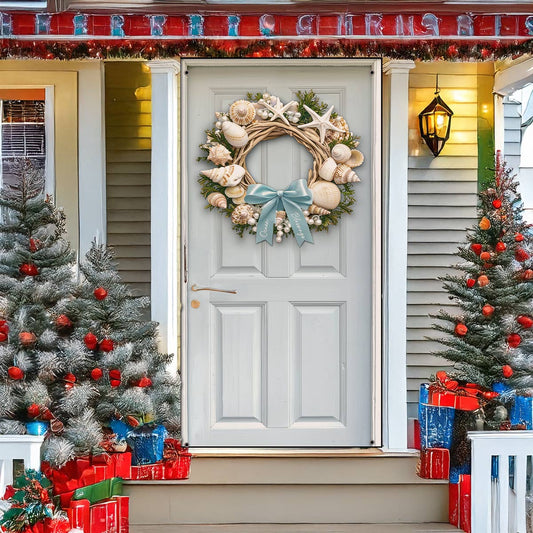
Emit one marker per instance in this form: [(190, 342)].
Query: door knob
[(195, 288)]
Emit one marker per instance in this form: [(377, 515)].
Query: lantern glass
[(435, 124)]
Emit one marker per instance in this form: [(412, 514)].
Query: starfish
[(278, 110), (321, 123)]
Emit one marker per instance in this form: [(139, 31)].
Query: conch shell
[(315, 210), (327, 169), (344, 174), (235, 134), (341, 153), (356, 159), (242, 112), (242, 214), (325, 194), (218, 200), (219, 154), (227, 176)]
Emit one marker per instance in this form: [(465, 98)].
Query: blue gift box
[(436, 426), (522, 411), (147, 443), (120, 428), (36, 427)]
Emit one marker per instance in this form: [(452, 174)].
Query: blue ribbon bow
[(292, 200)]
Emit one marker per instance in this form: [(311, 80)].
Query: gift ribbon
[(292, 200)]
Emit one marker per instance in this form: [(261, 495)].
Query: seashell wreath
[(262, 117)]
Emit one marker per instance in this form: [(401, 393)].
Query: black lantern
[(435, 121)]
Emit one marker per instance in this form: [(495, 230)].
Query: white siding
[(442, 204)]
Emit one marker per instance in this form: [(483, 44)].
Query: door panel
[(287, 360)]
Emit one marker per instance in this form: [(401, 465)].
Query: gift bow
[(292, 200)]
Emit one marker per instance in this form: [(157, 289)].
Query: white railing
[(499, 501)]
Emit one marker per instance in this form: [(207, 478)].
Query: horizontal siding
[(128, 138), (442, 203)]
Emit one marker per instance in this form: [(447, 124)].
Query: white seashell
[(219, 154), (242, 213), (242, 112), (327, 169), (344, 174), (227, 176), (239, 200), (235, 192), (315, 210), (341, 153), (218, 200), (236, 135), (356, 159), (325, 194)]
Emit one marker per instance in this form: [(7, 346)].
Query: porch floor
[(295, 528)]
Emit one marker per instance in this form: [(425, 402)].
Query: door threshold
[(300, 452)]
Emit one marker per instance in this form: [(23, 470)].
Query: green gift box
[(99, 491)]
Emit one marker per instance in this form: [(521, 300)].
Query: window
[(23, 132)]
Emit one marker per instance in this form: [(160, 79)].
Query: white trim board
[(377, 377)]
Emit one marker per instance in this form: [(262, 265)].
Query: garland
[(415, 49), (327, 192)]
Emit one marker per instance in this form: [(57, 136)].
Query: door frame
[(377, 197)]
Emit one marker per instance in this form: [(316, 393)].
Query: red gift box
[(79, 515), (123, 513), (450, 399), (178, 468), (460, 503), (435, 463), (104, 517), (119, 464), (154, 471)]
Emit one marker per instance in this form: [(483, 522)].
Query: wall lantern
[(435, 122)]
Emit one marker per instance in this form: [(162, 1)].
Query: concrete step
[(366, 488), (299, 528)]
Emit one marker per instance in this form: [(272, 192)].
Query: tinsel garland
[(424, 50)]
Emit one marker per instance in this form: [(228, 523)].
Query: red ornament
[(476, 248), (484, 256), (144, 382), (28, 269), (132, 421), (514, 340), (452, 50), (461, 330), (500, 246), (451, 384), (3, 336), (106, 345), (527, 274), (441, 376), (507, 371), (114, 377), (520, 254), (46, 414), (470, 282), (97, 373), (100, 293), (63, 322), (489, 395), (27, 338), (525, 321), (4, 327), (518, 237), (70, 379), (90, 341), (497, 203), (14, 372), (482, 280), (487, 310), (34, 410)]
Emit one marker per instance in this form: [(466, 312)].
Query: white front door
[(291, 358)]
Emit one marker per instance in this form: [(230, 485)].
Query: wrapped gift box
[(154, 471), (436, 426), (522, 411), (118, 464), (460, 502), (147, 444), (108, 516), (434, 463)]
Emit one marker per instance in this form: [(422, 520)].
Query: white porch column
[(395, 143), (164, 203)]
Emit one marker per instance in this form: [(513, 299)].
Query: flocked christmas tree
[(491, 338), (40, 363), (129, 372)]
